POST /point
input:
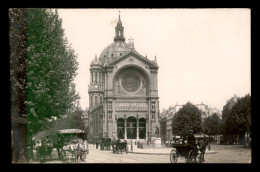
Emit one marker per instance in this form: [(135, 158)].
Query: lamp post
[(131, 140)]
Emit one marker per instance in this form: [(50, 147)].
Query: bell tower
[(96, 84)]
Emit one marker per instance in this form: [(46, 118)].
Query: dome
[(96, 62), (114, 51)]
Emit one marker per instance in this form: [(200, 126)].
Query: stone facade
[(123, 93)]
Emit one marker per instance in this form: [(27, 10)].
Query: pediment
[(131, 56)]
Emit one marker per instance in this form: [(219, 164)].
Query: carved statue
[(157, 132)]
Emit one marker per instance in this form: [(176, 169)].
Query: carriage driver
[(192, 141)]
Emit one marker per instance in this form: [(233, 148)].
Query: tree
[(227, 127), (212, 125), (186, 119), (236, 118), (18, 69), (241, 115), (51, 68)]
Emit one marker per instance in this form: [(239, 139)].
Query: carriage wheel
[(201, 158), (191, 157), (173, 156)]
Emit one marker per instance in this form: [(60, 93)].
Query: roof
[(95, 62), (113, 51), (71, 131)]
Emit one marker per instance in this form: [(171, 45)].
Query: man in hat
[(191, 138), (192, 141)]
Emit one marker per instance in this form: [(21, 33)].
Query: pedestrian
[(96, 143)]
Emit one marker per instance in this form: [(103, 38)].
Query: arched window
[(91, 101), (100, 100), (112, 55), (119, 33), (153, 115), (96, 100), (109, 115), (109, 105), (120, 128), (142, 128), (100, 77), (131, 128), (95, 76), (153, 105)]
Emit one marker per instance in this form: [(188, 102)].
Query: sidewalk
[(159, 151)]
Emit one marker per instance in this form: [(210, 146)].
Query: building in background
[(123, 92), (232, 101), (216, 111), (204, 109), (167, 115), (166, 120)]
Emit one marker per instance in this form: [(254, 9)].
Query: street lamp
[(131, 140)]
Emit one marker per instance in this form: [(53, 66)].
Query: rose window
[(130, 82)]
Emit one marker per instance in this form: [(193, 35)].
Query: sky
[(204, 55)]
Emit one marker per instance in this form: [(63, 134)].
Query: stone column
[(137, 127), (149, 121), (146, 128), (125, 129), (91, 77), (115, 134), (113, 120)]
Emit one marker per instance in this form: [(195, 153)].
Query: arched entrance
[(131, 127), (120, 128), (142, 128)]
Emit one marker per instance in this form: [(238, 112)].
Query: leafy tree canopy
[(212, 125), (51, 68), (186, 119), (236, 117)]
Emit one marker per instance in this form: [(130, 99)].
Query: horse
[(48, 149), (44, 150), (202, 144), (81, 151), (119, 146), (68, 152)]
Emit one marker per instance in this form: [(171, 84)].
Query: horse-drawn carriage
[(43, 149), (73, 146), (190, 152), (105, 144), (120, 146)]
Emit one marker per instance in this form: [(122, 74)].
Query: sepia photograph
[(130, 86)]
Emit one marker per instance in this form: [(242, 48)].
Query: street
[(223, 154)]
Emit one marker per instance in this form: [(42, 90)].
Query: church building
[(123, 93)]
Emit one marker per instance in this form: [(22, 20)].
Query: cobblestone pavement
[(223, 154), (229, 154)]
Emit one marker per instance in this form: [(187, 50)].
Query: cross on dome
[(131, 39)]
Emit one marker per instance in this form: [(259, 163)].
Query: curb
[(211, 152), (149, 153)]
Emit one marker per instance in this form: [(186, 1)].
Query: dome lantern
[(96, 62), (119, 31)]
